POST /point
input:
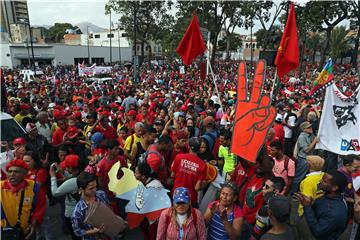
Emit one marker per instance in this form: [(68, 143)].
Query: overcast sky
[(43, 12)]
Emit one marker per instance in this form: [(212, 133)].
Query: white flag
[(339, 129)]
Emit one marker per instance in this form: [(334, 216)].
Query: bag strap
[(20, 206), (193, 213)]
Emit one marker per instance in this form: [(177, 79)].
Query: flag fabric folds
[(324, 79), (192, 43), (287, 57)]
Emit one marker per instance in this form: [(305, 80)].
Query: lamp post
[(27, 22), (88, 47), (118, 27), (110, 41)]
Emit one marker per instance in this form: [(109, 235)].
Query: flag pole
[(208, 54), (273, 86), (214, 80)]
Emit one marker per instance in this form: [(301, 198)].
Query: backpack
[(193, 214), (286, 163)]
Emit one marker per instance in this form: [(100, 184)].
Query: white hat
[(52, 105)]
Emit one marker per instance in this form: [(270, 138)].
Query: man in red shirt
[(105, 164), (189, 171), (279, 128), (108, 131), (254, 198), (58, 135), (156, 158), (240, 177), (180, 145)]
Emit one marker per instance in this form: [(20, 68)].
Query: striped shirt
[(79, 215), (216, 230)]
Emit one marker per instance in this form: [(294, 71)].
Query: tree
[(56, 32), (325, 16), (314, 43), (260, 11), (339, 44), (151, 19), (355, 25), (269, 39), (235, 40)]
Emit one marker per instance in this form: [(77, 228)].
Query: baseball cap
[(131, 113), (72, 132), (181, 195), (24, 106), (71, 160)]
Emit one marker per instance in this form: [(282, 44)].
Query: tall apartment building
[(13, 12)]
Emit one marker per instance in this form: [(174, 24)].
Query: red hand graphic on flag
[(254, 115)]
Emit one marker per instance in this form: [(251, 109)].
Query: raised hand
[(254, 114)]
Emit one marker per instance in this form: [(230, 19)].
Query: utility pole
[(119, 44), (31, 41), (88, 47), (110, 40)]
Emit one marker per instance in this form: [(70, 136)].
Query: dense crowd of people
[(174, 131)]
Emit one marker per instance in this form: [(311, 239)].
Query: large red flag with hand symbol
[(254, 114), (287, 57), (192, 44)]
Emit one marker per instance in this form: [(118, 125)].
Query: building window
[(246, 45), (124, 35), (253, 46), (97, 35), (137, 48), (110, 35)]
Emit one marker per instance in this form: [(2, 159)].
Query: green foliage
[(235, 41), (57, 32), (152, 19), (269, 39), (314, 43), (339, 44)]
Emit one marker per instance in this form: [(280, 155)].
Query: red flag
[(192, 44), (287, 57)]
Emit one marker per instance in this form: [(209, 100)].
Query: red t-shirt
[(188, 169), (240, 176), (58, 136), (104, 166), (254, 199)]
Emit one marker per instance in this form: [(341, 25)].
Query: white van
[(10, 129)]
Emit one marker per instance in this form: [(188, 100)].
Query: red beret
[(71, 160), (19, 140), (17, 163)]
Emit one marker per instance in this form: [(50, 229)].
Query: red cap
[(113, 105), (72, 132), (77, 114), (24, 106), (132, 113), (184, 108), (121, 108), (71, 160), (105, 113), (19, 140), (17, 163), (57, 114)]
